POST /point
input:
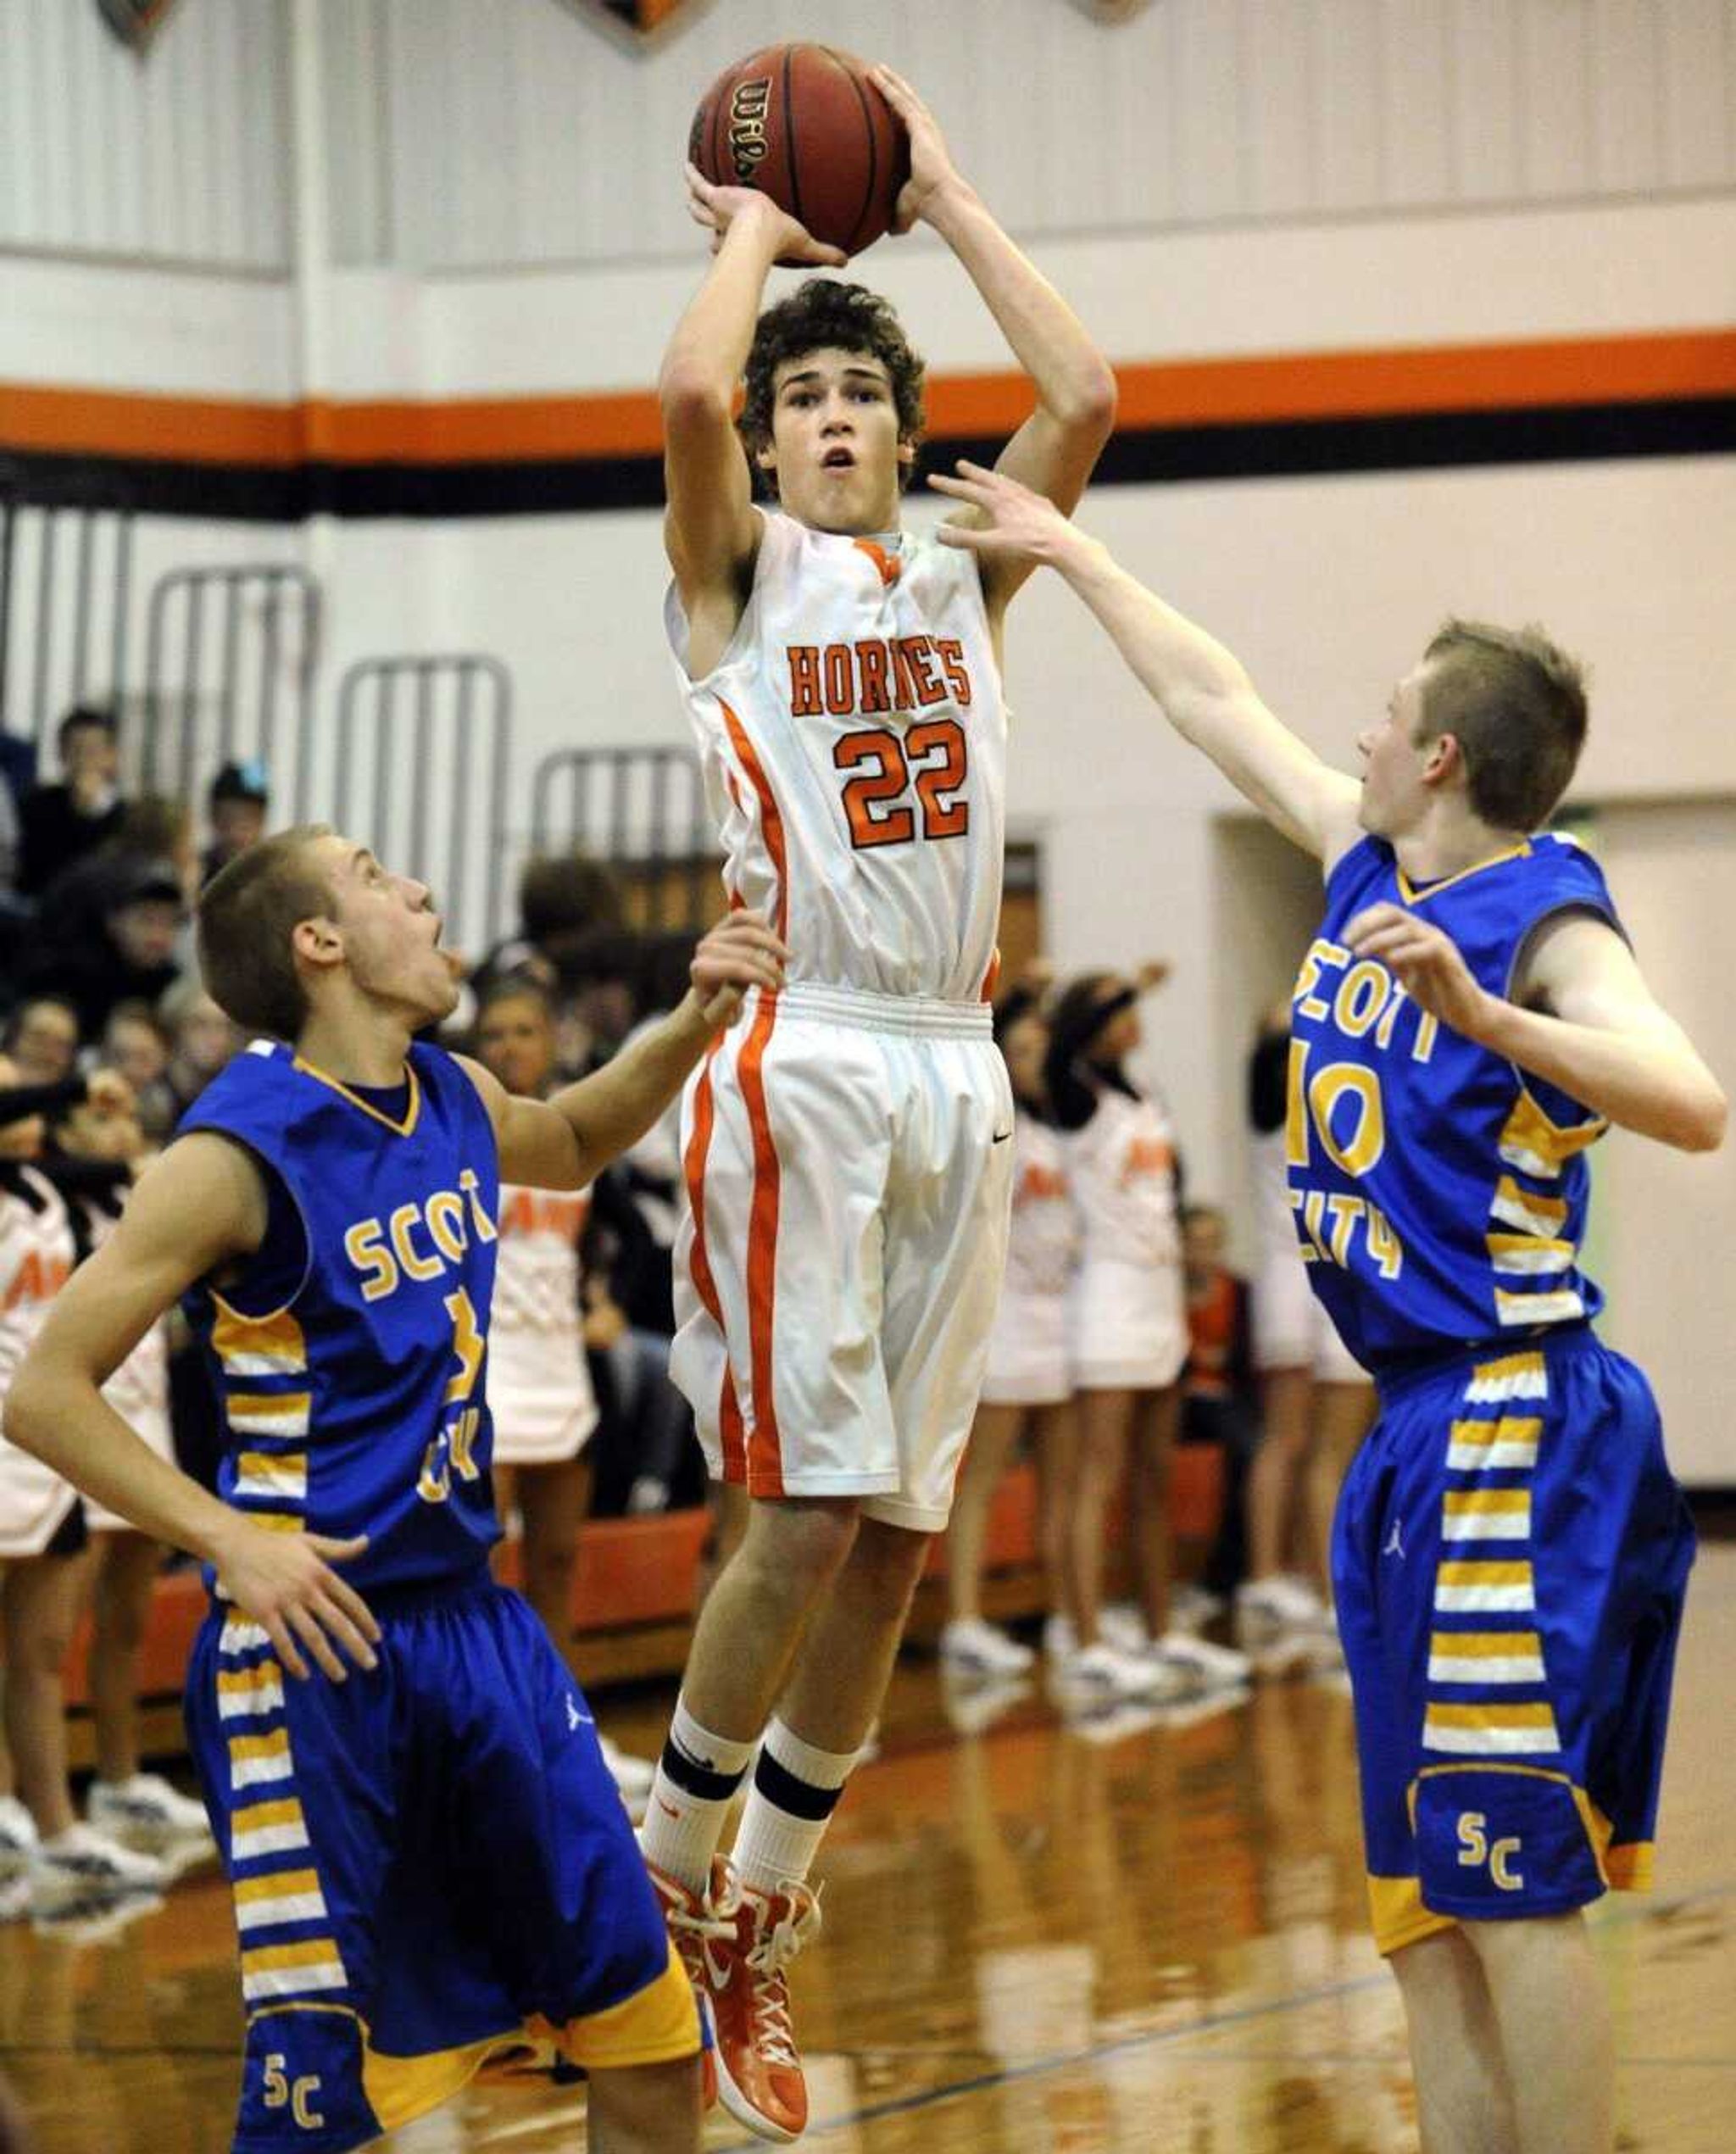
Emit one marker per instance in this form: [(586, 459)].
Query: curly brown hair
[(824, 312)]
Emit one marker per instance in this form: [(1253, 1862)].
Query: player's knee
[(887, 1560), (797, 1547), (646, 2108)]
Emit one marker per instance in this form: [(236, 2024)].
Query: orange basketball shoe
[(699, 1922), (759, 2068)]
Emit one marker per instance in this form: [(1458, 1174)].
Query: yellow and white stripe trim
[(1472, 1588), (241, 1634), (290, 1895), (1529, 1256), (1527, 1212), (283, 1475), (1481, 1446), (256, 1761), (1485, 1657), (1513, 1376), (249, 1694), (254, 1346), (1558, 1308), (1538, 1147), (1485, 1514), (1491, 1731), (291, 1970), (262, 1829), (264, 1413)]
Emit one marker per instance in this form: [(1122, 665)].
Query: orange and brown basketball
[(804, 125)]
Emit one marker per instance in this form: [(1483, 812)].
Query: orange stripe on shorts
[(729, 1412), (765, 1449)]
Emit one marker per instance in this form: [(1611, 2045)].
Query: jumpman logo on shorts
[(1395, 1541), (574, 1718)]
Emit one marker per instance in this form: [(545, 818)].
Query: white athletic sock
[(697, 1778), (796, 1789)]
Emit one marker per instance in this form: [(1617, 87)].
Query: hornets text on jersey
[(1439, 1194), (355, 1403)]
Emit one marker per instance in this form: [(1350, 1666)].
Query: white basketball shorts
[(33, 1502), (848, 1170)]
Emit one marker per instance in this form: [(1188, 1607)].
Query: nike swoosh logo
[(718, 1974), (668, 1809), (1000, 1136)]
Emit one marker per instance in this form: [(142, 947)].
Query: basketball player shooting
[(1510, 1553), (845, 1152)]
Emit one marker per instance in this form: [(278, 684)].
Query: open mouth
[(838, 459)]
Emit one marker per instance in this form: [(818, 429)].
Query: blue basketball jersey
[(355, 1405), (1440, 1194)]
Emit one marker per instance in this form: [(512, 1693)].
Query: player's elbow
[(1703, 1119), (692, 395), (1087, 402)]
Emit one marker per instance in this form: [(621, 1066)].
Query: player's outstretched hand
[(1011, 523), (741, 952), (1426, 963), (286, 1582), (933, 172), (715, 209)]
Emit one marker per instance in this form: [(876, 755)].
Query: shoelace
[(775, 2037)]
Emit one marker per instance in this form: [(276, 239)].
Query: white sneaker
[(633, 1775), (1102, 1671), (145, 1811), (18, 1836), (969, 1646), (1268, 1609), (1192, 1608), (1207, 1667), (972, 1703), (82, 1864), (1124, 1627)]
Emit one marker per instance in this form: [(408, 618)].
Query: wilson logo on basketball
[(748, 107)]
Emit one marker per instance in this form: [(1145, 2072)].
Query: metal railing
[(644, 810), (450, 714), (65, 579), (256, 627)]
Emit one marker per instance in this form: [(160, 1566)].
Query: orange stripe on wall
[(1649, 367)]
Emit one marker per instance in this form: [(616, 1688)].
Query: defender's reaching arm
[(1203, 689), (564, 1142)]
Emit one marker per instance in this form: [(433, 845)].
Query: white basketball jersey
[(853, 741), (535, 1344), (1122, 1164), (36, 1253), (1044, 1238)]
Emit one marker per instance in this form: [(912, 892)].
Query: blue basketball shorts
[(428, 1860), (1510, 1555)]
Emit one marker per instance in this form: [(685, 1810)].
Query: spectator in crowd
[(1129, 1345), (136, 1043), (1028, 1383), (564, 902), (203, 1040), (48, 1857), (141, 906), (138, 1808), (60, 823), (1218, 1403), (41, 1037), (236, 806)]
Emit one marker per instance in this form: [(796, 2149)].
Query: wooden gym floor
[(1063, 1941)]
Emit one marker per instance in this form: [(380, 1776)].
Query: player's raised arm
[(1583, 1019), (1057, 448), (200, 1208), (710, 527), (1203, 689), (566, 1141)]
